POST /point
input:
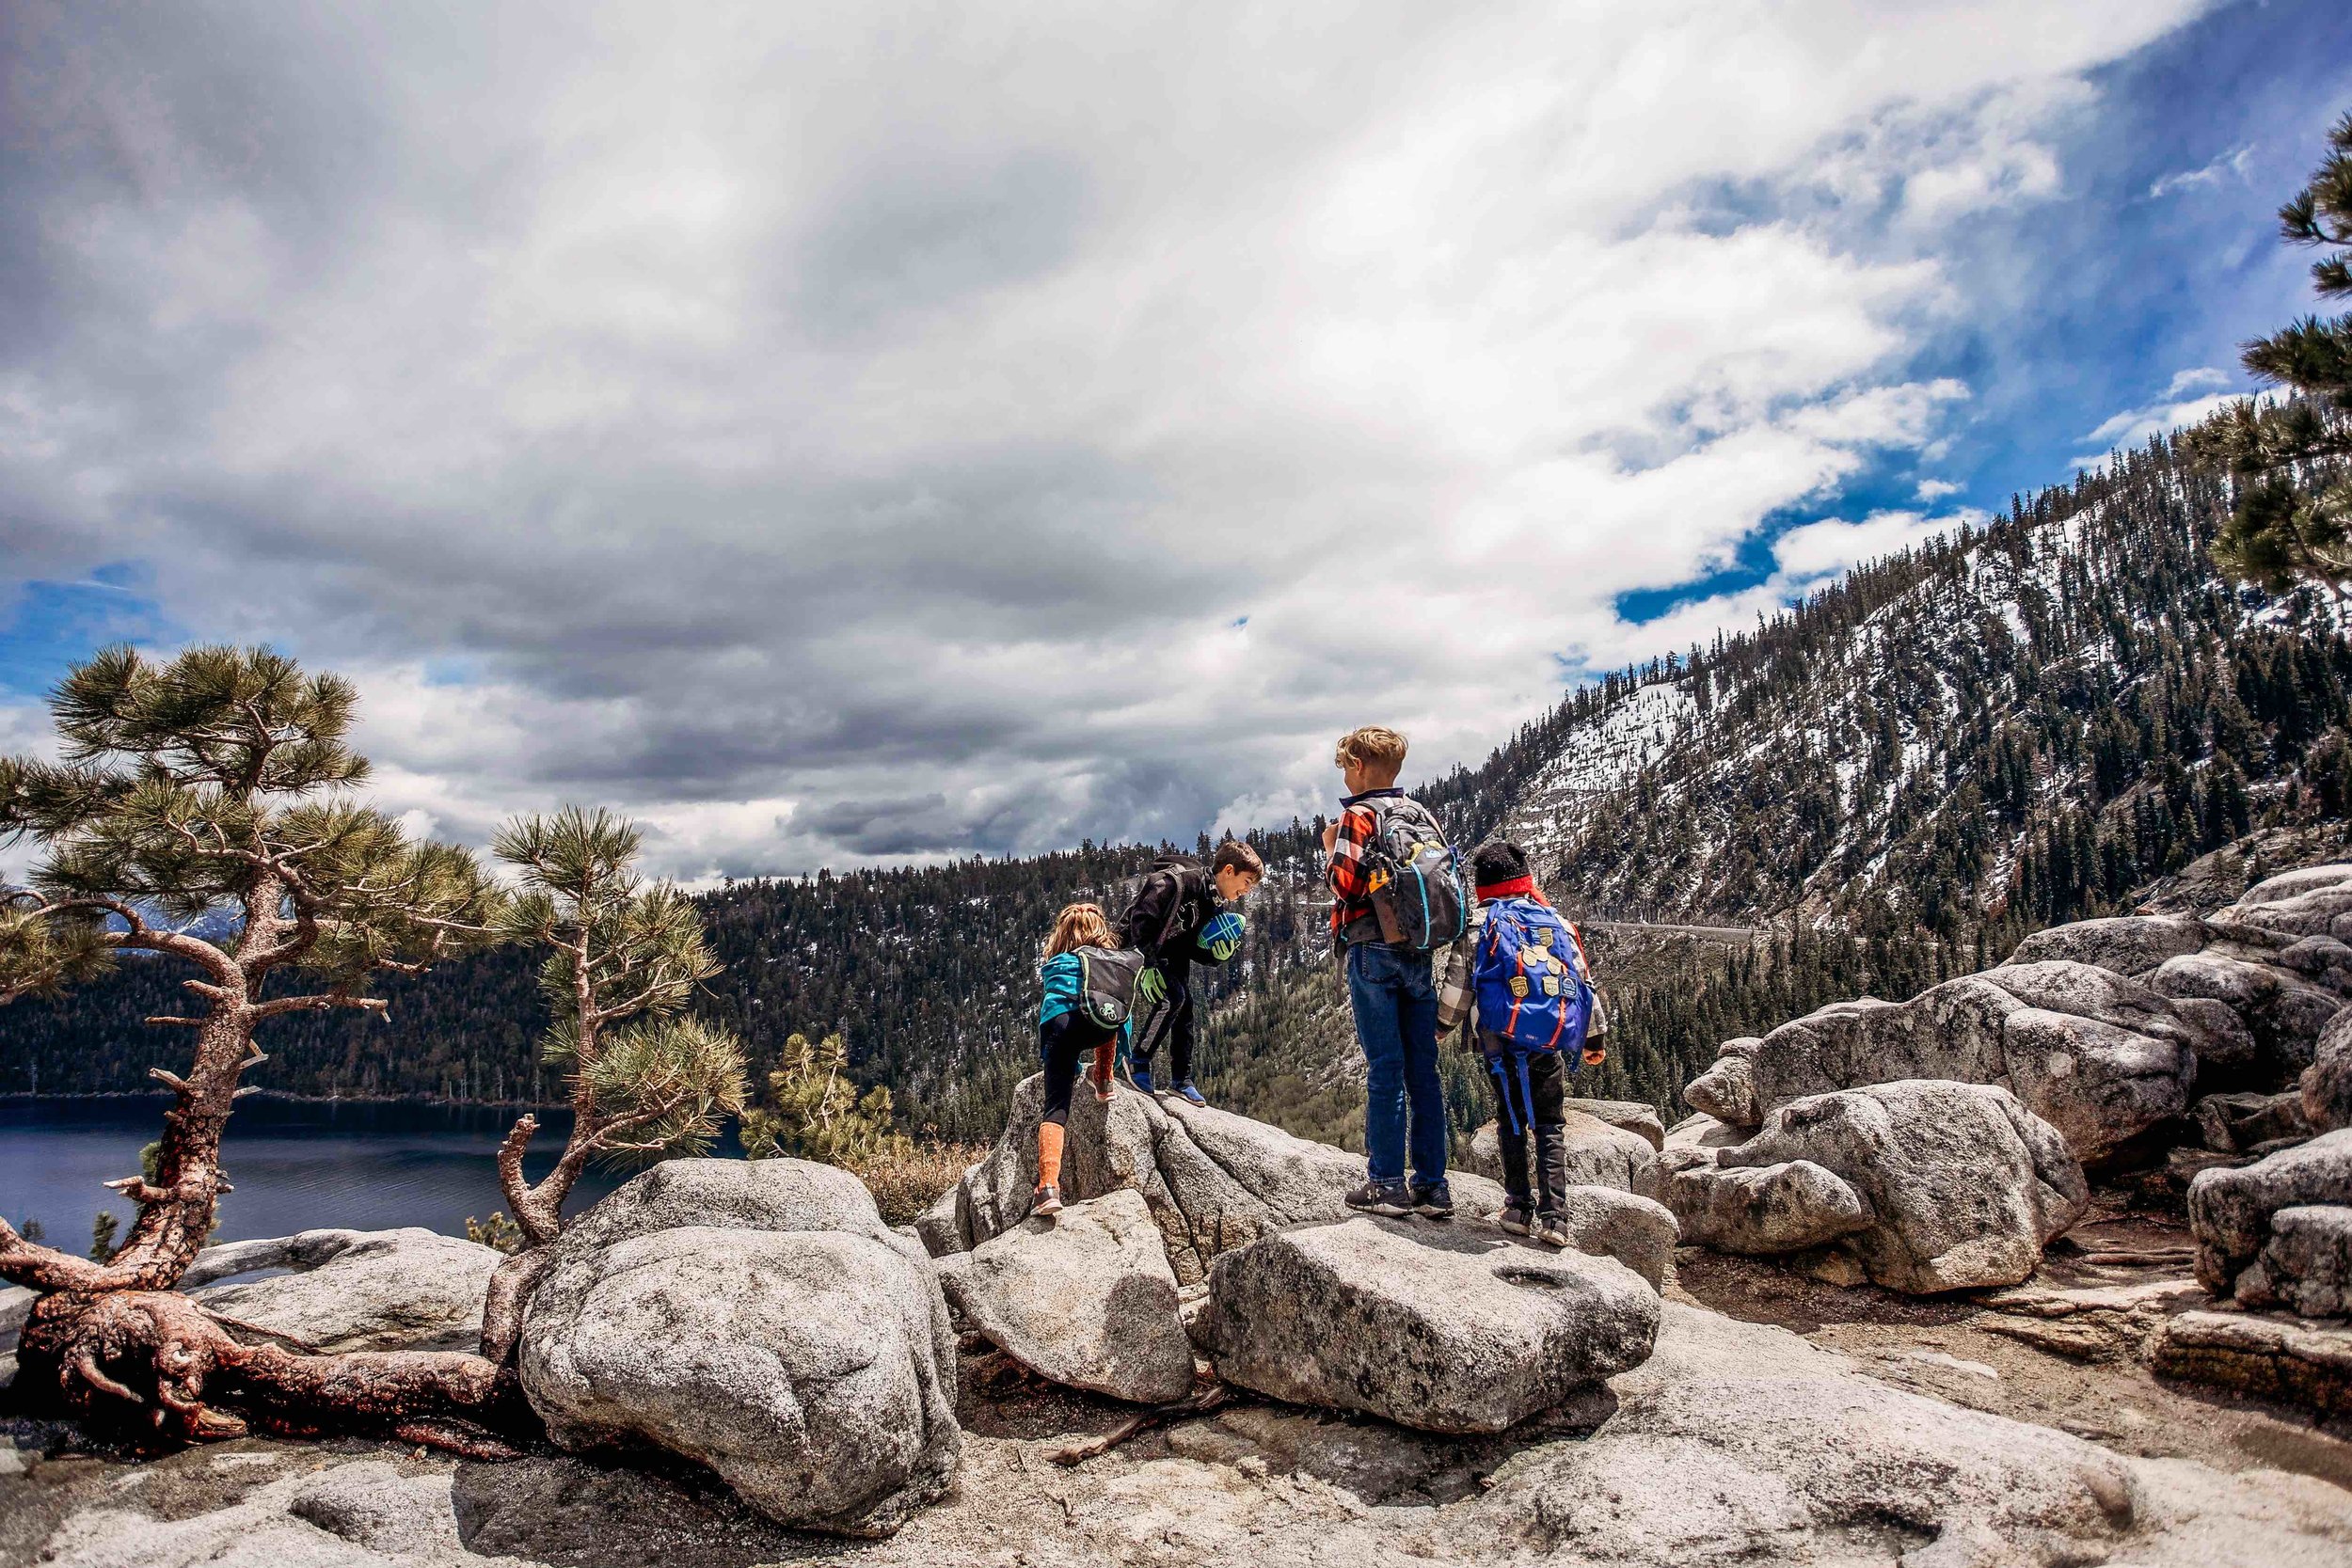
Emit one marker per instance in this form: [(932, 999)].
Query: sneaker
[(1045, 1200), (1433, 1200), (1190, 1095), (1141, 1079), (1514, 1219), (1552, 1230), (1392, 1198)]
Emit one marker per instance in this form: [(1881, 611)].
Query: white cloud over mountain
[(837, 433)]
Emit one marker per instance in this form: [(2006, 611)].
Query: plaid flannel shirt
[(1347, 870)]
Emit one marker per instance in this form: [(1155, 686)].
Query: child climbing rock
[(1066, 1032)]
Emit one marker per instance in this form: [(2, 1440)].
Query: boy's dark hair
[(1234, 853), (1498, 860)]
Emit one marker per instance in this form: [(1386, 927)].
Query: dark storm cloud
[(846, 432)]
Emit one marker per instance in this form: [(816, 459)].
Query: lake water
[(295, 1164)]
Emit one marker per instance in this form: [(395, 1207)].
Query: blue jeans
[(1396, 1021)]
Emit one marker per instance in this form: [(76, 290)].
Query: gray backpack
[(1107, 994)]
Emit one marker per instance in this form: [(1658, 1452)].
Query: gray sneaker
[(1514, 1219), (1552, 1230), (1392, 1198)]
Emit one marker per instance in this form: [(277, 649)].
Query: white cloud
[(2173, 408), (833, 440), (2231, 164), (1933, 490)]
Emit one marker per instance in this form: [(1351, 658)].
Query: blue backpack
[(1533, 988), (1534, 991)]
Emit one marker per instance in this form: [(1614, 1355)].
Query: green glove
[(1150, 989)]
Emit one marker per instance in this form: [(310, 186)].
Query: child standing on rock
[(1065, 1034), (1520, 985)]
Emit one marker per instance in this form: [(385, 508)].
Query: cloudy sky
[(838, 433)]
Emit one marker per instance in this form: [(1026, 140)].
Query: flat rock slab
[(1441, 1330), (2298, 1362), (1084, 1299), (410, 1288)]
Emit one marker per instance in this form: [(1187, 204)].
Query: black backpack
[(1418, 892), (1106, 994)]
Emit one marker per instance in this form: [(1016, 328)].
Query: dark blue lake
[(295, 1164)]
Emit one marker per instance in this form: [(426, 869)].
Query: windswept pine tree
[(645, 1079), (221, 784)]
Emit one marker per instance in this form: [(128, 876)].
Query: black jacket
[(1178, 897)]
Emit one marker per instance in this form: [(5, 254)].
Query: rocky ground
[(1780, 1419)]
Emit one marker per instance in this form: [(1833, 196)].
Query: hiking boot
[(1188, 1094), (1392, 1198), (1102, 1087), (1514, 1217), (1141, 1079), (1044, 1201), (1552, 1230), (1433, 1200)]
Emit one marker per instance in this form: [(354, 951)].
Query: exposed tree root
[(155, 1367), (1208, 1399)]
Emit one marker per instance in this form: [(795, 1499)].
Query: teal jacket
[(1065, 978)]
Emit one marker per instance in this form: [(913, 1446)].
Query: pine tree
[(2294, 515), (218, 785), (623, 961)]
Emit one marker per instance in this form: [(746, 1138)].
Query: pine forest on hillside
[(2018, 725)]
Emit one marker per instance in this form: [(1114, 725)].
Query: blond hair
[(1378, 749), (1079, 926)]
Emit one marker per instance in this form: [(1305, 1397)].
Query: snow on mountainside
[(2017, 724)]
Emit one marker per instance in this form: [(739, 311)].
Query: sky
[(854, 433)]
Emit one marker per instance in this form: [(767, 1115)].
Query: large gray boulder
[(2284, 1010), (1726, 1090), (1628, 1116), (2107, 1061), (2305, 1266), (734, 1195), (1965, 1184), (410, 1288), (797, 1346), (2292, 884), (1762, 1209), (2326, 1086), (1441, 1330), (1085, 1299), (2126, 944), (1637, 1231), (2235, 1123), (1212, 1181), (2230, 1209)]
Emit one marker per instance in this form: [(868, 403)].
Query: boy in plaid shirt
[(1390, 989)]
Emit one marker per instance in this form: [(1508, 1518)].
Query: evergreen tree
[(622, 961), (2293, 513), (217, 787)]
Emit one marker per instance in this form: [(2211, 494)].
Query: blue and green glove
[(1151, 989), (1220, 939)]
